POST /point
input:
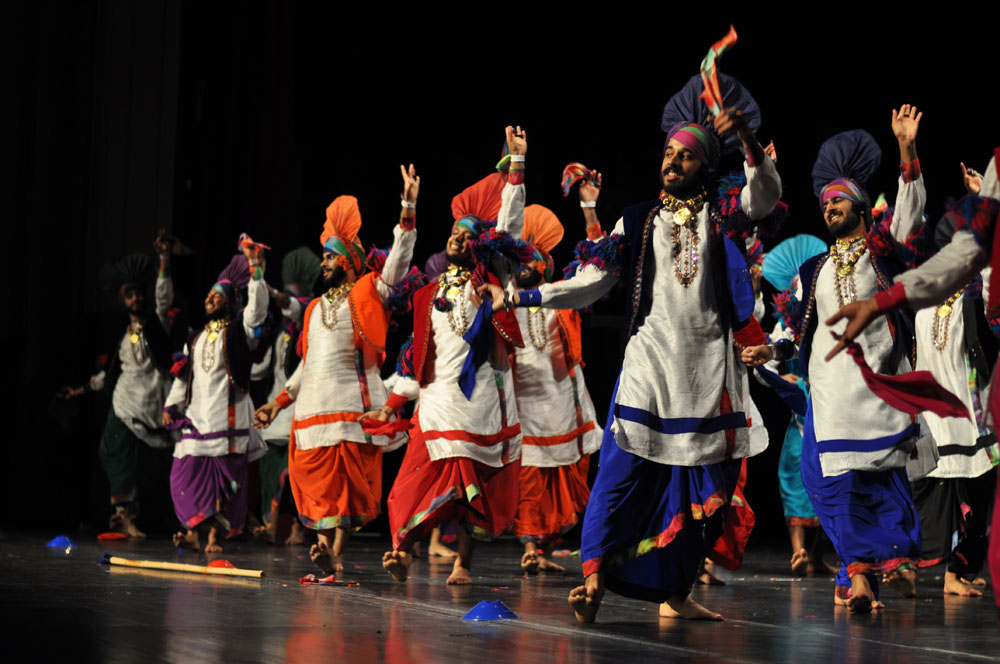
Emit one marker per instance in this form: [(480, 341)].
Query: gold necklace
[(539, 337), (452, 281), (684, 236), (845, 258), (137, 343), (214, 329), (330, 304), (941, 319)]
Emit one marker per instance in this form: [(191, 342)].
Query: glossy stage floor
[(58, 602)]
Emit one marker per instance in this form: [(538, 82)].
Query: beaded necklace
[(537, 329), (684, 234), (941, 318), (330, 304), (214, 328), (452, 281), (845, 255), (137, 342)]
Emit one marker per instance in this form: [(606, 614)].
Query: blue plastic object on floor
[(60, 542), (487, 610)]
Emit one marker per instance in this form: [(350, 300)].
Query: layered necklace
[(942, 316), (452, 281), (330, 304), (214, 329), (845, 255), (536, 328), (136, 342), (684, 234)]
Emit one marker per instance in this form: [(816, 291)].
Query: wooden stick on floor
[(108, 559)]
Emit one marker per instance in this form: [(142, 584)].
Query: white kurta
[(281, 426), (209, 407), (681, 358), (325, 386), (141, 389), (547, 395), (952, 370), (846, 414)]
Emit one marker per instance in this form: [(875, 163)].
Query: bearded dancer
[(335, 467), (209, 405), (853, 461), (463, 458), (558, 421), (677, 430), (133, 447)]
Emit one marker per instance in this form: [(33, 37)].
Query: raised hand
[(162, 243), (252, 250), (771, 152), (590, 189), (905, 123), (411, 183), (731, 120), (754, 356), (972, 180), (517, 140)]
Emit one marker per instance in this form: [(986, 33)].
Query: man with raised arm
[(335, 467), (677, 429), (855, 446)]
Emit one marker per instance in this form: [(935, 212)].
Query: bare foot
[(122, 523), (297, 536), (416, 549), (862, 598), (338, 564), (675, 607), (320, 555), (903, 581), (978, 581), (529, 562), (438, 550), (800, 562), (459, 575), (213, 545), (265, 533), (956, 586), (188, 539), (397, 563), (585, 602)]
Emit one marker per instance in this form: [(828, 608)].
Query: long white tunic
[(679, 362), (855, 430), (548, 392), (281, 427), (325, 386), (209, 407)]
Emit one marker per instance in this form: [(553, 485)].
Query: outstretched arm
[(164, 293), (589, 191), (763, 189), (511, 217), (911, 196), (404, 234), (256, 310)]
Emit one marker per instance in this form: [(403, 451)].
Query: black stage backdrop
[(211, 119)]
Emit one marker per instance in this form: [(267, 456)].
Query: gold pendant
[(845, 270), (682, 216), (213, 335), (453, 292), (944, 311), (134, 338), (534, 310), (287, 337)]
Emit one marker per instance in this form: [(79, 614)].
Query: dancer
[(677, 430), (463, 458), (854, 466), (133, 447), (971, 249), (558, 421), (209, 405), (299, 271), (335, 467)]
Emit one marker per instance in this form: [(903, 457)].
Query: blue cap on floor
[(61, 542), (487, 610)]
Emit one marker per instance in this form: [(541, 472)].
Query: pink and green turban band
[(843, 188), (469, 223), (698, 140)]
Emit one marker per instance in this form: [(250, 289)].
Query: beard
[(528, 278), (219, 313), (463, 259), (844, 227), (335, 279)]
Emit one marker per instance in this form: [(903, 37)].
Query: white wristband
[(588, 204), (407, 204), (517, 157)]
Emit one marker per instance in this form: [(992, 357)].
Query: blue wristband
[(529, 298)]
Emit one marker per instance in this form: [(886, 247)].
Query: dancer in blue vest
[(677, 428)]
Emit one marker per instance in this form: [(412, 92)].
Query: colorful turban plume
[(573, 173), (340, 232), (698, 140), (479, 203), (233, 277), (850, 155)]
